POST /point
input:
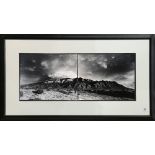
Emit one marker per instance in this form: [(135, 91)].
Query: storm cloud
[(34, 66), (118, 67)]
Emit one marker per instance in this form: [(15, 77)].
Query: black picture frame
[(4, 117)]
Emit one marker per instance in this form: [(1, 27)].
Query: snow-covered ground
[(27, 94)]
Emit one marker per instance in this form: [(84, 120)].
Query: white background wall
[(77, 16)]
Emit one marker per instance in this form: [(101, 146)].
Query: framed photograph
[(77, 77)]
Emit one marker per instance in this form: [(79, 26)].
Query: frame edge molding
[(3, 117)]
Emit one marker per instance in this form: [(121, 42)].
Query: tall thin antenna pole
[(77, 78)]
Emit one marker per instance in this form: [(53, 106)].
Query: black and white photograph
[(71, 76), (77, 76)]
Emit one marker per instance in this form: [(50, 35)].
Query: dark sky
[(34, 66), (111, 67)]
